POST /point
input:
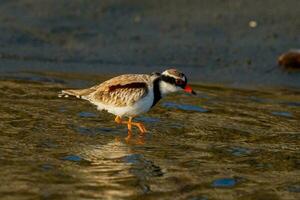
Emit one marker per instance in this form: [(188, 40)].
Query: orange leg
[(140, 126), (129, 123), (129, 130)]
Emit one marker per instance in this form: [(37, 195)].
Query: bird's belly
[(141, 106)]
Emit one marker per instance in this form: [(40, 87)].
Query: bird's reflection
[(117, 166), (131, 139)]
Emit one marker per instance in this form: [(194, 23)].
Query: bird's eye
[(179, 82)]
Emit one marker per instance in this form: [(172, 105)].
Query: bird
[(130, 95)]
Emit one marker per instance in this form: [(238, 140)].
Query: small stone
[(290, 59), (252, 24), (137, 19)]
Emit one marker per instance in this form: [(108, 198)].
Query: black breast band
[(156, 91)]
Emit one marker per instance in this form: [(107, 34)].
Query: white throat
[(166, 88)]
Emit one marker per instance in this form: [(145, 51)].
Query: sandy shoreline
[(211, 41)]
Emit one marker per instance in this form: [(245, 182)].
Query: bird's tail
[(68, 93), (81, 93)]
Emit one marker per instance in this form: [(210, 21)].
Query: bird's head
[(173, 80)]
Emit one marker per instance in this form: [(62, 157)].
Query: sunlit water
[(221, 144)]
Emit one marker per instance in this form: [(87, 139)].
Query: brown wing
[(120, 91)]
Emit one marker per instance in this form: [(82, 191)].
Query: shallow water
[(221, 144)]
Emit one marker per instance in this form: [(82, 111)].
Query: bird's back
[(123, 90)]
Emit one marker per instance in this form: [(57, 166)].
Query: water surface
[(222, 144)]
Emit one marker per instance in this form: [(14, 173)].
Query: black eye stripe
[(173, 81), (179, 82), (168, 79)]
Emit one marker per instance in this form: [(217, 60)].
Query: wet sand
[(213, 41)]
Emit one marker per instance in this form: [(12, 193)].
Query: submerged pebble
[(184, 107), (224, 182)]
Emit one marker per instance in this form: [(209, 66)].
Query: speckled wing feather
[(122, 90)]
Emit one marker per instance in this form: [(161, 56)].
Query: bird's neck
[(166, 88), (156, 91)]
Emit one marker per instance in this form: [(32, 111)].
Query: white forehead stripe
[(172, 75)]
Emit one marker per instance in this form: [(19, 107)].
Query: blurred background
[(233, 42)]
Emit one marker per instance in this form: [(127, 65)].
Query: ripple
[(296, 104), (73, 158), (47, 167), (259, 99), (142, 166), (84, 131), (62, 109), (239, 151), (224, 182), (93, 131), (184, 107), (104, 129), (294, 188), (282, 114), (264, 165), (148, 119), (198, 198), (132, 159), (87, 114)]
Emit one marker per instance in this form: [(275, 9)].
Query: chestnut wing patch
[(129, 85), (122, 95)]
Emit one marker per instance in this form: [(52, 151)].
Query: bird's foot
[(140, 126), (118, 120), (129, 123)]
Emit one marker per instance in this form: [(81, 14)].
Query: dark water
[(222, 144)]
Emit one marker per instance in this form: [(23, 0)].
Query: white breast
[(141, 106)]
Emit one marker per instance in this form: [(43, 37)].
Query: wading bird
[(130, 95)]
